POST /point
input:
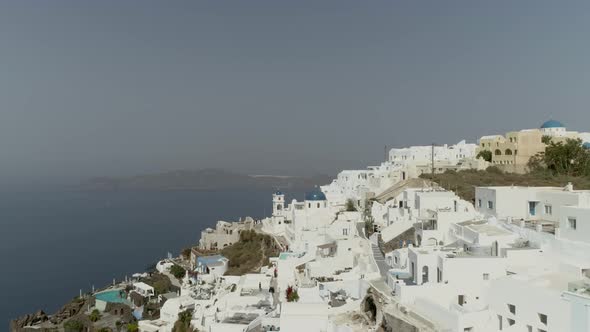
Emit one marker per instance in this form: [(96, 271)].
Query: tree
[(350, 205), (570, 158), (95, 315), (177, 271), (485, 155), (546, 139), (369, 227)]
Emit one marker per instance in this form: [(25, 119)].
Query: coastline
[(80, 257), (75, 309)]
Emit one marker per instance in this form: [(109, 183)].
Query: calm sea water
[(55, 242)]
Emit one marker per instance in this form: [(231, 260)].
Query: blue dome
[(552, 124), (315, 195), (586, 145), (278, 192)]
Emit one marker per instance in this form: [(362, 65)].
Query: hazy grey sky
[(123, 87)]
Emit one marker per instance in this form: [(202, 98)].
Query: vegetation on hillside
[(464, 182), (73, 326), (250, 253), (160, 282)]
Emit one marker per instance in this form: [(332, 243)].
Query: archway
[(424, 274)]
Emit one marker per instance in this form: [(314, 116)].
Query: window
[(571, 222), (345, 231), (499, 322), (486, 276), (318, 205), (490, 205), (543, 318), (529, 328), (479, 203), (512, 309), (511, 322), (548, 209)]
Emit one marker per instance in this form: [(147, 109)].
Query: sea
[(55, 242)]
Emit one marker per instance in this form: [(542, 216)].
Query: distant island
[(203, 179)]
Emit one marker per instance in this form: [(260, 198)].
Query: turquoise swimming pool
[(285, 255), (112, 296)]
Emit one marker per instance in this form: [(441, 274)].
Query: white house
[(143, 289)]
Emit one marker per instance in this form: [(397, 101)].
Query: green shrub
[(177, 271), (485, 155), (73, 326), (132, 327), (95, 315), (291, 294)]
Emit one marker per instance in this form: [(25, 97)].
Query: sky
[(116, 88)]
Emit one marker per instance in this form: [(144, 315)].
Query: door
[(532, 208)]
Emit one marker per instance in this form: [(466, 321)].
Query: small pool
[(285, 255), (112, 296)]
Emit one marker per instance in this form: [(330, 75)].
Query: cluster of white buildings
[(327, 263), (519, 263), (402, 164), (517, 259)]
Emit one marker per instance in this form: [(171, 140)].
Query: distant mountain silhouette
[(204, 179)]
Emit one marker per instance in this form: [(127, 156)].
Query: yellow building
[(513, 151)]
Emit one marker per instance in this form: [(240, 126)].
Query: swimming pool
[(112, 296), (285, 255)]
